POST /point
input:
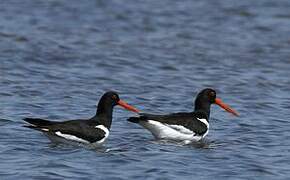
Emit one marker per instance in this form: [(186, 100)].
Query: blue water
[(58, 57)]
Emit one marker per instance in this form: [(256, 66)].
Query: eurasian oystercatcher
[(184, 126), (89, 131)]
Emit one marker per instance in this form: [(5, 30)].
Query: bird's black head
[(111, 99), (105, 107), (207, 97)]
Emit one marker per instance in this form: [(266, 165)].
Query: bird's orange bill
[(127, 106), (225, 106)]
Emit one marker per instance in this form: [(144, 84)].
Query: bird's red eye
[(115, 97), (212, 94)]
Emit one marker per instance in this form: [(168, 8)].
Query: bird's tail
[(36, 122), (142, 117), (134, 119)]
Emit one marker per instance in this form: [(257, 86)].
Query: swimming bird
[(93, 131), (183, 126)]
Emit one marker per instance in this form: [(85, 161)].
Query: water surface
[(58, 57)]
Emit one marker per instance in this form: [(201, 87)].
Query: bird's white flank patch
[(180, 128), (71, 137), (171, 132), (102, 127), (204, 121)]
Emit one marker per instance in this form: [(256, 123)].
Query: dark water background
[(58, 57)]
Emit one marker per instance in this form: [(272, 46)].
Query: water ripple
[(58, 57)]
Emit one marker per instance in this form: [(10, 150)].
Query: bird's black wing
[(83, 129)]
